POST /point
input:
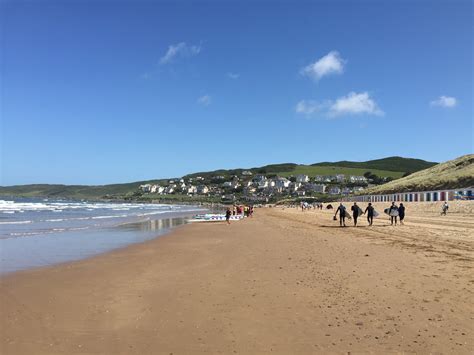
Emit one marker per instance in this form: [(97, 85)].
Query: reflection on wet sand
[(155, 225)]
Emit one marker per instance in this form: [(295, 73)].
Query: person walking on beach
[(444, 208), (355, 213), (228, 213), (401, 213), (391, 212), (342, 215), (370, 213)]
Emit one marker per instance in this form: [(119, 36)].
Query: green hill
[(397, 164), (393, 168), (452, 174)]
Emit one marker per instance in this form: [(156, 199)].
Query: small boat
[(210, 217)]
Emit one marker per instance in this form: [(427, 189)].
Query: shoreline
[(283, 281)]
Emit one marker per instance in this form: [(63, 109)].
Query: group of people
[(236, 210), (395, 212), (307, 206)]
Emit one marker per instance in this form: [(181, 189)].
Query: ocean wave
[(16, 222)]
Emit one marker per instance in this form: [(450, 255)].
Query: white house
[(334, 190), (249, 190), (190, 190), (170, 189), (340, 178), (320, 188), (262, 184), (230, 184), (246, 173), (358, 179), (202, 189), (157, 189), (259, 178), (145, 188), (302, 178), (281, 182), (294, 186)]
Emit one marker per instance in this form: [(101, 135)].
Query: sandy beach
[(284, 282)]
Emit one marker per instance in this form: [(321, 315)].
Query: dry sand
[(284, 281)]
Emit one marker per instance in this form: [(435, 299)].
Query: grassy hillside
[(407, 165), (72, 191), (394, 167), (333, 170), (455, 173), (382, 168)]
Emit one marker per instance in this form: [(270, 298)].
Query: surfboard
[(214, 218), (394, 213), (376, 214), (347, 214), (360, 212)]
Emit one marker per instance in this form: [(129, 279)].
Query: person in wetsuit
[(355, 213), (401, 212), (393, 207), (370, 213), (342, 215), (228, 213)]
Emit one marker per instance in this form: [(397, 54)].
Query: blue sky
[(101, 92)]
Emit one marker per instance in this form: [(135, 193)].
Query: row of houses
[(339, 178), (258, 185), (421, 196)]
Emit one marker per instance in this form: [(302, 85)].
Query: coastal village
[(261, 187)]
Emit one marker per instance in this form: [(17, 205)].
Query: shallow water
[(36, 233)]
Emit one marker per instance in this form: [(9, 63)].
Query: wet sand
[(285, 282)]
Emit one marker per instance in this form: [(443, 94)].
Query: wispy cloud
[(331, 63), (180, 50), (309, 107), (444, 101), (351, 104), (204, 100), (233, 75)]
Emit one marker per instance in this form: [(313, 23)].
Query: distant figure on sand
[(228, 213), (342, 215), (355, 213), (444, 208), (391, 210), (401, 213), (370, 213)]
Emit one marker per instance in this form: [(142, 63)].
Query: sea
[(41, 232)]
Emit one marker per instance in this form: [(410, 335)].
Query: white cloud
[(331, 63), (179, 50), (444, 101), (233, 75), (204, 100), (352, 104)]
